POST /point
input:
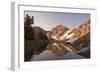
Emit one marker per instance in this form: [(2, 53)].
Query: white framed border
[(17, 51)]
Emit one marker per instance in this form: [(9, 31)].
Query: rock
[(58, 31)]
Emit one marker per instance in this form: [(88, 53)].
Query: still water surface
[(57, 51)]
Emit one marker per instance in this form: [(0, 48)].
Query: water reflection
[(57, 50)]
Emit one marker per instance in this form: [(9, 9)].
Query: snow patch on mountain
[(55, 36), (67, 35)]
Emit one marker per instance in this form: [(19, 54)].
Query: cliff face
[(58, 31), (83, 29), (61, 32)]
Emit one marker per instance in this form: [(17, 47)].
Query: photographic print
[(56, 36)]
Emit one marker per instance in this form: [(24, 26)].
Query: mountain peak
[(83, 29), (61, 26), (57, 31)]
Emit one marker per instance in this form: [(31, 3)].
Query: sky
[(48, 20)]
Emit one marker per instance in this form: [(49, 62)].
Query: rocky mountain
[(83, 29), (66, 34), (78, 32), (58, 31), (61, 32)]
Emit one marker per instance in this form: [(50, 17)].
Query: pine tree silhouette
[(28, 20)]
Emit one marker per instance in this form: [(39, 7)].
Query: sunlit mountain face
[(58, 43), (61, 32)]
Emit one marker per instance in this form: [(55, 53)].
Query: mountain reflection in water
[(57, 51)]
